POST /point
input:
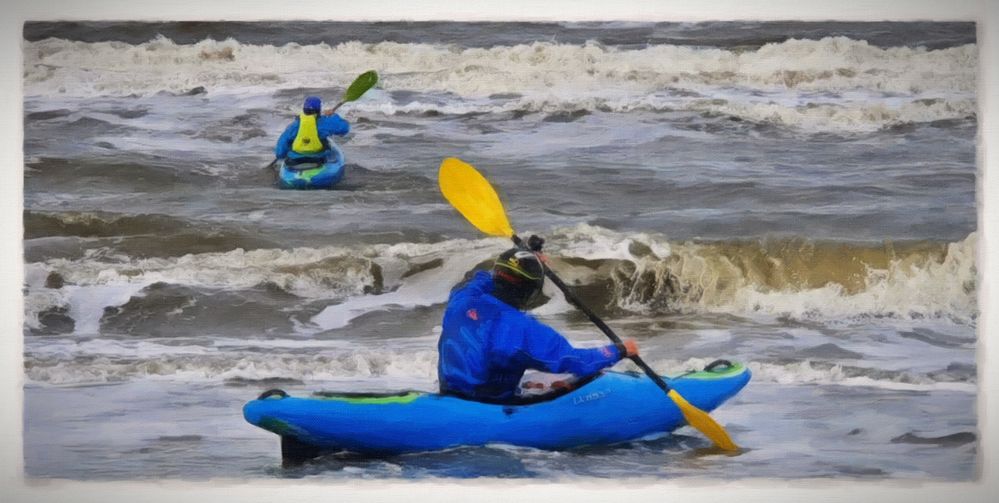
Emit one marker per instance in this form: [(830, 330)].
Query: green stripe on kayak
[(735, 369), (276, 426), (308, 173), (374, 400)]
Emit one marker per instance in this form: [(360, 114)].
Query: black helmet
[(518, 276)]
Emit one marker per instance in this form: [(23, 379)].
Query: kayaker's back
[(463, 346)]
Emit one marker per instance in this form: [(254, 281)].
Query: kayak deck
[(313, 175)]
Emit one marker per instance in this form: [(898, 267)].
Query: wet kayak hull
[(615, 407)]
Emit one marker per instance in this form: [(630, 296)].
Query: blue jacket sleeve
[(330, 125), (284, 142), (540, 347)]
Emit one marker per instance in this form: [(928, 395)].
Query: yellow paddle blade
[(472, 195), (703, 422)]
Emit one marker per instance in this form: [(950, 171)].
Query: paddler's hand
[(328, 112), (630, 348), (535, 242), (560, 384)]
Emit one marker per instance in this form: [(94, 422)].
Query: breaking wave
[(834, 63), (832, 83), (780, 276), (616, 273)]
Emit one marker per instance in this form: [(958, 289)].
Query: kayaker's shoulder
[(480, 283), (331, 121), (481, 306), (503, 313)]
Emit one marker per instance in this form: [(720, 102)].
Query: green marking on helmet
[(518, 270), (375, 400), (513, 263)]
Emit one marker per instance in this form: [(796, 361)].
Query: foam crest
[(210, 366), (806, 372), (102, 362), (821, 115), (340, 274), (425, 288), (911, 286), (829, 85), (596, 243), (55, 66), (843, 116), (71, 360), (783, 277), (307, 272), (634, 272)]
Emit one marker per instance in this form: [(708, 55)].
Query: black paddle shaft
[(571, 297), (338, 105)]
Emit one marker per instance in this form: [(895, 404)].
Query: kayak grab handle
[(715, 364), (272, 392)]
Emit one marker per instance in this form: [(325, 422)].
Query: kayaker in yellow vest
[(305, 139)]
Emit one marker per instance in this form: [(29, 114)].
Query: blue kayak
[(610, 408), (320, 173)]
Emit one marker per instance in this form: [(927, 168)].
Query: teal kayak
[(610, 408), (321, 173)]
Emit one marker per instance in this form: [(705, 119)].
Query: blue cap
[(312, 105)]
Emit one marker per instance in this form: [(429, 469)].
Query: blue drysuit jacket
[(486, 345), (328, 125)]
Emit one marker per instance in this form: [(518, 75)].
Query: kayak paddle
[(474, 197), (355, 90), (361, 84)]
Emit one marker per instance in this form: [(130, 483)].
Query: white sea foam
[(100, 361), (333, 273), (905, 289), (647, 273), (805, 373), (594, 243), (795, 83), (834, 63), (696, 278), (423, 289), (94, 282), (808, 373)]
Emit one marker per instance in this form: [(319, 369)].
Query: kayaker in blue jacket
[(487, 342), (305, 139)]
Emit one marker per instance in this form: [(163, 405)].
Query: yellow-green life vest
[(307, 140)]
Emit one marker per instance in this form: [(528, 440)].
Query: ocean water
[(800, 197)]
